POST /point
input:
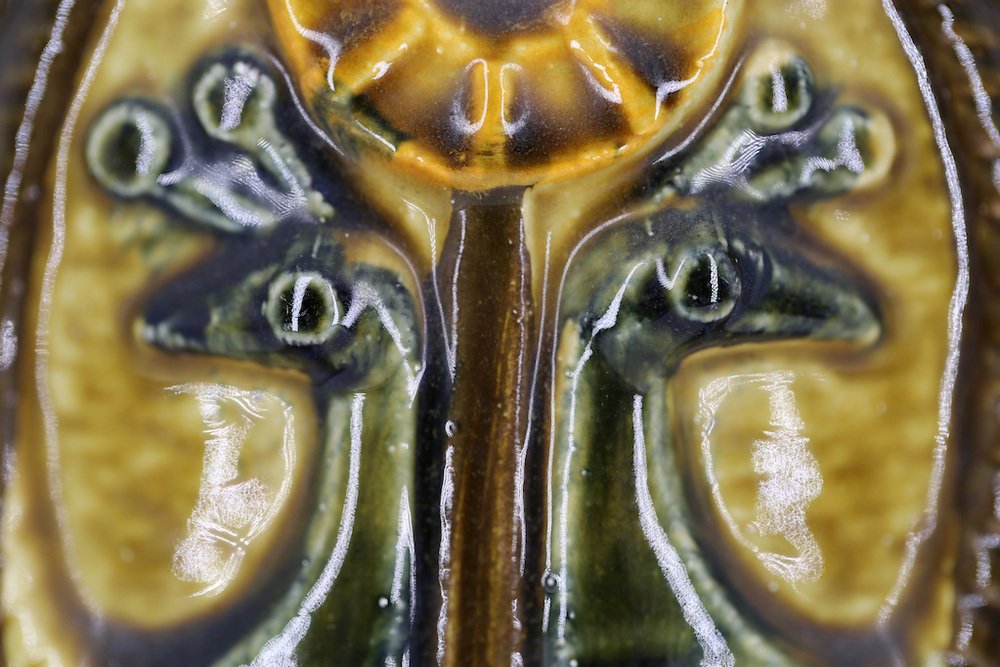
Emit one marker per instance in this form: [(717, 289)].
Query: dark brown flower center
[(499, 17)]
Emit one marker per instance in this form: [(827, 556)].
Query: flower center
[(500, 17)]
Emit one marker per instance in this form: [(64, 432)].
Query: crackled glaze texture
[(563, 333)]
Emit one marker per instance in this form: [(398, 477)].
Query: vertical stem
[(489, 412)]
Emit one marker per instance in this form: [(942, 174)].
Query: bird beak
[(802, 298)]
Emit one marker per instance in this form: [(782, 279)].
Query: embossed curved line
[(670, 87), (317, 130), (280, 650), (808, 564), (365, 296), (712, 397), (209, 397), (449, 350), (325, 42), (444, 550), (405, 555), (414, 378), (188, 166), (510, 127), (604, 323), (959, 298), (459, 120), (22, 140), (52, 263), (713, 644), (522, 460), (612, 94), (552, 377), (708, 118), (984, 105)]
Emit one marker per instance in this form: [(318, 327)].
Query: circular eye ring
[(302, 308), (129, 146), (708, 285)]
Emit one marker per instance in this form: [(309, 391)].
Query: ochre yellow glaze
[(125, 496), (124, 462), (872, 419), (420, 67)]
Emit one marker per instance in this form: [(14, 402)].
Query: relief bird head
[(685, 280)]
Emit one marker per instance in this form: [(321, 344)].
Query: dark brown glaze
[(547, 133), (434, 120), (500, 17), (655, 58), (351, 23), (489, 413), (975, 476)]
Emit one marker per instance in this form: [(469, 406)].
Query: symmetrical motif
[(707, 254)]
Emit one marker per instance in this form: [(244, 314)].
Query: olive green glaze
[(285, 297), (688, 277), (713, 259)]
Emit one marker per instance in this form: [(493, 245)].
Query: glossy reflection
[(502, 334), (491, 94)]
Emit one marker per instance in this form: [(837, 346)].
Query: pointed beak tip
[(861, 324)]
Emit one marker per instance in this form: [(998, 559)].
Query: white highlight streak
[(848, 155), (237, 92), (444, 551), (229, 514), (668, 282), (325, 42), (779, 96), (405, 555), (588, 65), (956, 309), (363, 297), (453, 359), (713, 644), (22, 140), (605, 322), (279, 651), (8, 345), (984, 106), (52, 262), (519, 532), (458, 117), (449, 350), (790, 474)]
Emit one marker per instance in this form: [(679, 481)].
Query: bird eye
[(129, 147), (302, 308), (707, 287)]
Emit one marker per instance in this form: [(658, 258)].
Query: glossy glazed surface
[(386, 333)]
